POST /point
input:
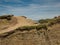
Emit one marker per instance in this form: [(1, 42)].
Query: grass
[(28, 28), (14, 38), (44, 23), (5, 20), (3, 23), (50, 22)]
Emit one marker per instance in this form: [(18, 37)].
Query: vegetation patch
[(28, 28), (50, 22), (39, 27), (8, 17)]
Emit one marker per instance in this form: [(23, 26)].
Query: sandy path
[(20, 22)]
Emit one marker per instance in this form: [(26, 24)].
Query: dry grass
[(51, 36)]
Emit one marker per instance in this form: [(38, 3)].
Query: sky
[(34, 9)]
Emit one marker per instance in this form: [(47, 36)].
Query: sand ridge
[(21, 21)]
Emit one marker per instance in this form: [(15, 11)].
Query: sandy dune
[(21, 21)]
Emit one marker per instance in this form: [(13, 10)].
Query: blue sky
[(34, 9)]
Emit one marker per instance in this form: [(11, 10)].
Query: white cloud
[(33, 11)]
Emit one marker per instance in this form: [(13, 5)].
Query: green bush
[(41, 27), (26, 28), (43, 21), (54, 21)]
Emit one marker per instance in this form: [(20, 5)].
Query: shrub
[(24, 16), (26, 28), (8, 17), (38, 27), (58, 20), (55, 17), (54, 21), (43, 21), (41, 27)]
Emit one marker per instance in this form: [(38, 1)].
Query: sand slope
[(21, 21)]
